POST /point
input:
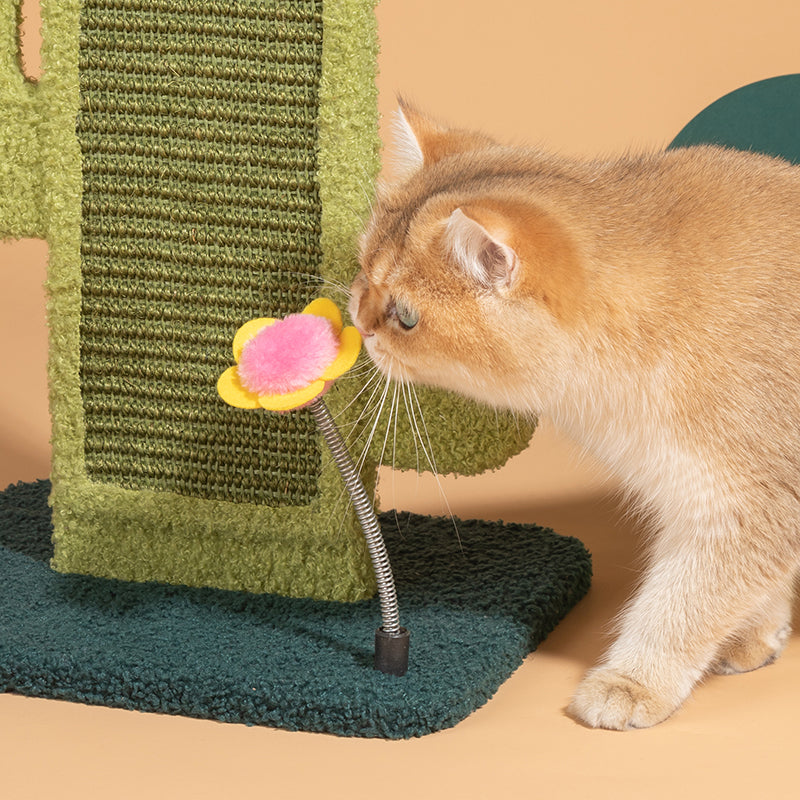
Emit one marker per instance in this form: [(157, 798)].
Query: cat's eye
[(405, 314)]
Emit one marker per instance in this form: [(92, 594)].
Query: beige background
[(581, 77)]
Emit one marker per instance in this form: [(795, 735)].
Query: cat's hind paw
[(747, 653), (607, 699)]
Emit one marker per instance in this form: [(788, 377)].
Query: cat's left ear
[(482, 255)]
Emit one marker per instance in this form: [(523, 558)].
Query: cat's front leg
[(608, 698), (701, 588)]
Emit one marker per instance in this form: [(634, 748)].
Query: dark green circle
[(763, 117)]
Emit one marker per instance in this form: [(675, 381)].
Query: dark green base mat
[(475, 609)]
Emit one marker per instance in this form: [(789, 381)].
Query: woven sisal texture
[(198, 133)]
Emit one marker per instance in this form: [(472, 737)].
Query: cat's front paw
[(608, 699)]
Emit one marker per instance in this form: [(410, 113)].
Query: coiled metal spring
[(390, 612)]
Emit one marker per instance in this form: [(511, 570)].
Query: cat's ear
[(408, 154), (420, 141), (481, 255)]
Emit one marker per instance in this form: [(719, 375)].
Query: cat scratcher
[(223, 159), (193, 165)]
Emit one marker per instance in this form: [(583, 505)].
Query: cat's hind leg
[(760, 640)]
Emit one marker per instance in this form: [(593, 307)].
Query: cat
[(649, 305)]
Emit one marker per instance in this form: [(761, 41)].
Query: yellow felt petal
[(350, 347), (233, 393), (322, 307), (247, 332), (292, 400)]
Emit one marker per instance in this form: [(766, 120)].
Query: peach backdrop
[(582, 77)]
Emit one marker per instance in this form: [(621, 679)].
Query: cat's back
[(694, 191), (705, 180), (697, 247), (712, 238), (718, 219)]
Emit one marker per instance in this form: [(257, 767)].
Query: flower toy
[(287, 364)]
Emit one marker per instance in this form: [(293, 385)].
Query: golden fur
[(649, 305)]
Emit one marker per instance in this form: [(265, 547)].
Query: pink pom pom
[(288, 355)]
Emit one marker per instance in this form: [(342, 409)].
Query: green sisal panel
[(201, 209)]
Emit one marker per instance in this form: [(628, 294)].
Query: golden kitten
[(650, 306)]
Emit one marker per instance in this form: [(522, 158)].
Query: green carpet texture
[(475, 608), (193, 165)]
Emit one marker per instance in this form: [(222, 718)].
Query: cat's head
[(463, 275)]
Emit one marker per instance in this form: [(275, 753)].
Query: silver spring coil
[(390, 612)]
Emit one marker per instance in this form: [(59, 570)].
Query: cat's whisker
[(392, 415), (394, 435), (372, 376), (321, 283), (378, 413), (374, 386), (413, 433), (394, 419), (373, 418), (316, 282), (367, 184), (376, 419), (428, 451), (363, 368), (391, 424)]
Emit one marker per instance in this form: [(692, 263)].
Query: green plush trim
[(20, 123), (349, 145)]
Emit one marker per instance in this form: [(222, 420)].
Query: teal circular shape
[(763, 117)]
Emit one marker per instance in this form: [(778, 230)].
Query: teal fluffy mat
[(475, 608)]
